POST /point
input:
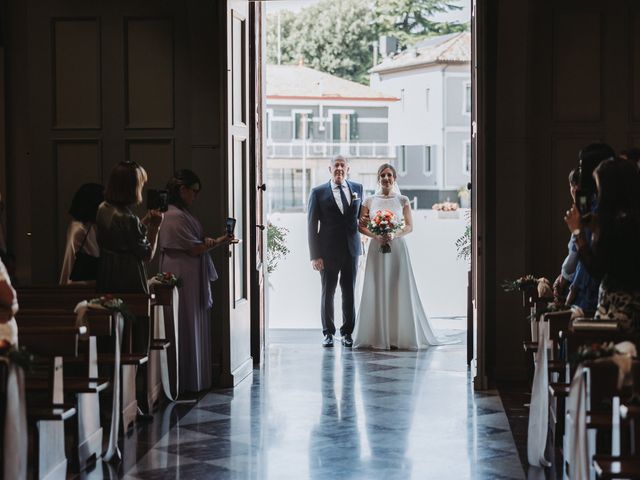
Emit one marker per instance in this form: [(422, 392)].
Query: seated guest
[(3, 244), (612, 254), (632, 154), (571, 260), (583, 291), (125, 241), (8, 308), (81, 236)]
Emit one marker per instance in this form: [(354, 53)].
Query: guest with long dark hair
[(81, 233)]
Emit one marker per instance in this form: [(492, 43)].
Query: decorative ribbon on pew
[(113, 451), (539, 407), (15, 423), (167, 316), (575, 441)]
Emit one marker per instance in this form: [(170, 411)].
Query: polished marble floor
[(313, 413)]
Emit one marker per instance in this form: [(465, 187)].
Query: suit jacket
[(331, 233)]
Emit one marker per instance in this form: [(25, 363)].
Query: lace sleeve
[(367, 202), (404, 201)]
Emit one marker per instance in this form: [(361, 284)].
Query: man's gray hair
[(333, 160)]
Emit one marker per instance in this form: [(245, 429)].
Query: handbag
[(85, 266)]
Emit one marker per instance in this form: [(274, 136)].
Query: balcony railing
[(328, 150)]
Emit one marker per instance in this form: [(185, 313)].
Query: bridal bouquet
[(384, 222)]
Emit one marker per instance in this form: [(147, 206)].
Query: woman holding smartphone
[(125, 241), (184, 252)]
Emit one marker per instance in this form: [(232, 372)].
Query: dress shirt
[(336, 193)]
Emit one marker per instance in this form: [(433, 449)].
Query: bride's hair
[(384, 166)]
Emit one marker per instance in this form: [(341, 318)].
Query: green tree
[(332, 36), (280, 27), (411, 20), (336, 36)]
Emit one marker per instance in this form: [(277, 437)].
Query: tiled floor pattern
[(332, 414)]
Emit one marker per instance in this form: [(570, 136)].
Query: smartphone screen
[(231, 225)]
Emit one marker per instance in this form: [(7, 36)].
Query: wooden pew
[(67, 296), (47, 416), (82, 385)]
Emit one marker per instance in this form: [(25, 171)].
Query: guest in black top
[(613, 255), (125, 241)]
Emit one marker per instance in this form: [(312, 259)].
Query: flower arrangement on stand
[(169, 279), (9, 353), (527, 282), (384, 222), (446, 209), (594, 351), (113, 304)]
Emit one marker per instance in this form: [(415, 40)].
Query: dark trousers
[(346, 268)]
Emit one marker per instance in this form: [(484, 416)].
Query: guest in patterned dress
[(184, 252), (613, 255)]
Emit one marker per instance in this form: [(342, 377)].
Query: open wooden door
[(239, 124), (478, 124)]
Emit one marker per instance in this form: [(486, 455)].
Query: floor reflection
[(334, 445), (340, 414)]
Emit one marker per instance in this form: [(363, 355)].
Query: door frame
[(257, 185)]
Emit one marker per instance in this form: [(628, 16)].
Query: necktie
[(343, 197)]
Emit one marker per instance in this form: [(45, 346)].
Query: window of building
[(427, 159), (267, 124), (402, 160), (285, 189), (427, 94), (466, 159), (467, 97), (302, 122), (344, 126)]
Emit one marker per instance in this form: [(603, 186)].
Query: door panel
[(102, 82), (240, 362)]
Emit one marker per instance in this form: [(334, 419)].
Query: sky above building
[(462, 16)]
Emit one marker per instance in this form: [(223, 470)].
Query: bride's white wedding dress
[(391, 313)]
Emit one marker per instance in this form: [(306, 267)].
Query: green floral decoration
[(19, 356), (463, 244), (277, 248), (520, 284)]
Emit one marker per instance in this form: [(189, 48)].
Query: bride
[(391, 313)]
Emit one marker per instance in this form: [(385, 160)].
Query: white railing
[(328, 150)]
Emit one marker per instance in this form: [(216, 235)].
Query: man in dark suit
[(334, 245)]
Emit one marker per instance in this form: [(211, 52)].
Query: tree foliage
[(336, 36)]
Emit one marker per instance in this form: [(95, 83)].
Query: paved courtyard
[(294, 288)]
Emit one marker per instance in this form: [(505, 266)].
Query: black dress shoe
[(347, 341), (328, 340)]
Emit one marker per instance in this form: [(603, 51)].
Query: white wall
[(294, 288), (409, 121)]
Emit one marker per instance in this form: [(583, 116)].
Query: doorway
[(372, 115)]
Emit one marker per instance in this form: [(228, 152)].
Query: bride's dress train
[(391, 312)]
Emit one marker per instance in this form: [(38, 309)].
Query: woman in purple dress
[(184, 252)]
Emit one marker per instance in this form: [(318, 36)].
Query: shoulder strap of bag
[(84, 239)]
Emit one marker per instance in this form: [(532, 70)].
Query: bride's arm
[(408, 221), (362, 223)]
